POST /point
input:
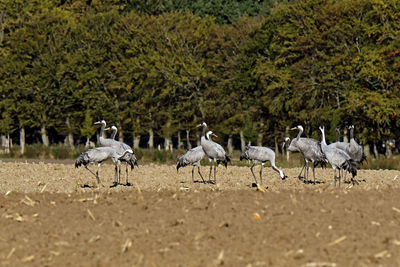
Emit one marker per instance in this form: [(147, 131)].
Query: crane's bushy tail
[(225, 161), (129, 158), (82, 159), (351, 166)]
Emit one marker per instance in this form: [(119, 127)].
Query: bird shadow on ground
[(312, 182), (86, 186)]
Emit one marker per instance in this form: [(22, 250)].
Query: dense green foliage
[(250, 67)]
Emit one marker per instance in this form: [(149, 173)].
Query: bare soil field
[(52, 214)]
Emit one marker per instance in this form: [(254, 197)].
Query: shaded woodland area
[(155, 69)]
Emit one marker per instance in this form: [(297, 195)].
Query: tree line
[(250, 69)]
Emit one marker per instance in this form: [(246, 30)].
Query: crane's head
[(351, 127), (100, 122), (210, 133), (202, 124), (298, 127), (322, 128)]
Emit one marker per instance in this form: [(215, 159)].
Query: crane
[(121, 148), (310, 149), (98, 155), (193, 157), (260, 154), (338, 158), (214, 151)]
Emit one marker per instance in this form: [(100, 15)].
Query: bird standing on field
[(214, 151), (98, 155), (338, 158), (310, 149), (121, 148), (260, 154), (193, 157)]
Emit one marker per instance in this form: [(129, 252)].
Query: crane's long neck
[(114, 133), (103, 126), (299, 134), (323, 142), (203, 133), (351, 133)]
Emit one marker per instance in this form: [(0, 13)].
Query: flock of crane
[(342, 156)]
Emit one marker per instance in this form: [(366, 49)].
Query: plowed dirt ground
[(51, 214)]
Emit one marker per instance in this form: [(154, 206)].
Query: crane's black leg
[(262, 165), (95, 175), (340, 176), (209, 176), (334, 176), (198, 168), (313, 171), (127, 175), (251, 168), (215, 171), (193, 174), (302, 170)]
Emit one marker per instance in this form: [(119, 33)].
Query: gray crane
[(214, 151), (260, 154), (98, 155), (338, 158), (121, 148), (338, 144), (129, 158), (193, 157), (355, 150), (310, 149)]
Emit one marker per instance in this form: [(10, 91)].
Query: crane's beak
[(213, 134), (97, 122), (107, 129), (294, 128), (199, 125)]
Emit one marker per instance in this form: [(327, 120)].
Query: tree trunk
[(151, 138), (367, 151), (230, 146), (70, 137), (167, 143), (376, 151), (276, 146), (45, 138), (189, 145), (284, 146), (242, 141), (120, 133), (136, 141), (388, 152), (87, 142), (22, 140), (5, 142), (198, 142), (260, 139), (180, 144)]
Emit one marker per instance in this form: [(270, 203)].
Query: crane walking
[(310, 149), (260, 154), (193, 157), (214, 151), (121, 148), (338, 158), (98, 155)]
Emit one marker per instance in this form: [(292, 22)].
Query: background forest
[(155, 69)]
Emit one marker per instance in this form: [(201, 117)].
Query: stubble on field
[(52, 214)]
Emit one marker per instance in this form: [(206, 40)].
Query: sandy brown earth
[(52, 215)]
